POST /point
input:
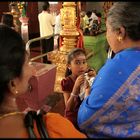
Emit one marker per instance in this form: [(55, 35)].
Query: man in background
[(58, 28), (46, 24)]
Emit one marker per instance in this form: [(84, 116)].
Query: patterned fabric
[(113, 107)]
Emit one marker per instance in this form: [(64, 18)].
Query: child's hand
[(92, 73), (80, 80), (86, 84)]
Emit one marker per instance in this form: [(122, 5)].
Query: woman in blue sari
[(113, 107)]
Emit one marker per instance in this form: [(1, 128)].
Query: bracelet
[(74, 95)]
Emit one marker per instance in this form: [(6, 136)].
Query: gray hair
[(127, 15)]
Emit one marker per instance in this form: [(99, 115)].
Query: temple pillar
[(69, 32), (69, 37)]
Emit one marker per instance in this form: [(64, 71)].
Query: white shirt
[(58, 26), (46, 23), (93, 17)]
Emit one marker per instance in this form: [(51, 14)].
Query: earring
[(16, 92), (119, 38), (30, 88)]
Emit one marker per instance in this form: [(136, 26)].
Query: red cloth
[(72, 115), (80, 42), (67, 85), (60, 41)]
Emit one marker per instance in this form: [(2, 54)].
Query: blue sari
[(113, 107)]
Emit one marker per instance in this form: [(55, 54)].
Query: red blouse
[(67, 86)]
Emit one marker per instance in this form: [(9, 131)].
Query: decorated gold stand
[(69, 32), (69, 36)]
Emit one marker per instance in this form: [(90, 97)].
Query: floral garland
[(22, 6)]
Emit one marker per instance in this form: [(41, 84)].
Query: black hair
[(127, 15), (88, 13), (8, 20), (12, 57), (75, 52), (46, 6), (98, 14)]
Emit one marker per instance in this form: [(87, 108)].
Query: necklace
[(10, 114)]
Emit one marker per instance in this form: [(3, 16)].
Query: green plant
[(22, 6)]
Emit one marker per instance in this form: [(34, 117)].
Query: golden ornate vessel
[(69, 36), (69, 31)]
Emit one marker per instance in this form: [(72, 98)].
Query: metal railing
[(38, 39)]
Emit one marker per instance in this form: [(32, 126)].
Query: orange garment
[(58, 126)]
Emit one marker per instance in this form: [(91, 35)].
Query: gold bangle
[(74, 95)]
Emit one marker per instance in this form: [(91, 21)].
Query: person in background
[(87, 23), (7, 19), (99, 15), (75, 81), (94, 15), (15, 73), (82, 22), (58, 27), (93, 22), (112, 107), (46, 25)]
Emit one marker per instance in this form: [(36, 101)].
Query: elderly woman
[(15, 72), (112, 108)]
